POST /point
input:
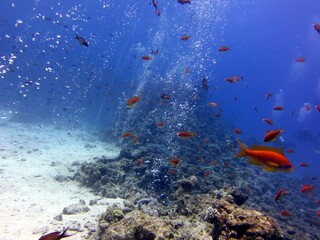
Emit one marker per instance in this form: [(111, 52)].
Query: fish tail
[(243, 150)]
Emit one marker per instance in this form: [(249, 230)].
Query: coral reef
[(193, 217)]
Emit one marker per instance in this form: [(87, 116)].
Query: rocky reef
[(202, 216)]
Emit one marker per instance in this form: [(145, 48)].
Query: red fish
[(140, 161), (307, 106), (278, 108), (146, 58), (171, 172), (127, 134), (136, 139), (268, 121), (132, 101), (317, 27), (184, 1), (269, 158), (174, 161), (159, 124), (216, 115), (207, 173), (223, 48), (268, 95), (318, 213), (237, 131), (155, 4), (289, 150), (158, 13), (187, 70), (272, 135), (304, 164), (185, 37), (306, 188), (300, 59), (318, 108), (186, 134), (205, 84), (285, 213), (165, 96), (56, 235), (282, 192)]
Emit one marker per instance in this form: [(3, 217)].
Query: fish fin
[(254, 162), (272, 149), (242, 151), (269, 169), (273, 164)]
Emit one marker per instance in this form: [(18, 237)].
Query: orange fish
[(268, 121), (171, 172), (278, 108), (236, 78), (207, 173), (272, 135), (237, 131), (56, 235), (186, 134), (127, 134), (132, 101), (146, 58), (135, 139), (224, 48), (306, 188), (213, 104), (185, 37), (269, 158), (174, 161), (300, 59)]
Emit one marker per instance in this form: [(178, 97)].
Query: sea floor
[(31, 195)]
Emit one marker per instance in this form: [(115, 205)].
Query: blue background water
[(76, 86)]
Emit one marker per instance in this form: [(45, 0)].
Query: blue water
[(75, 86)]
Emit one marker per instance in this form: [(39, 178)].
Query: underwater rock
[(140, 226), (232, 222), (113, 214), (75, 208), (239, 198)]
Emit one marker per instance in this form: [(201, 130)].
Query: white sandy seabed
[(30, 157)]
